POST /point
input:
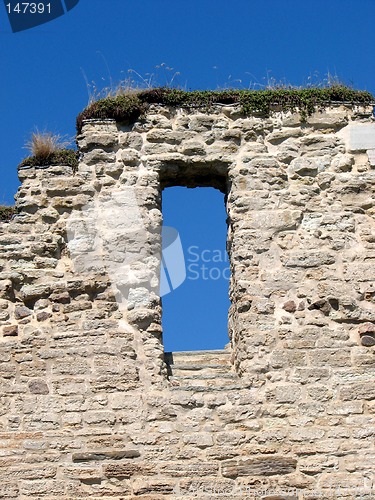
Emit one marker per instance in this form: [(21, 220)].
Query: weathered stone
[(129, 469), (83, 373), (281, 135), (358, 391), (343, 163), (43, 316), (38, 387), (290, 306), (308, 259), (330, 119), (22, 312), (274, 220), (259, 466), (304, 167), (30, 292), (105, 455), (159, 487), (368, 340), (193, 469), (6, 287), (10, 331), (366, 328), (101, 418)]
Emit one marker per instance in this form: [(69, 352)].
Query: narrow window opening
[(195, 313)]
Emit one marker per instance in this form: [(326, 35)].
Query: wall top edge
[(236, 109), (130, 107)]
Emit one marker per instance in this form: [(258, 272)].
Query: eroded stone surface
[(87, 408)]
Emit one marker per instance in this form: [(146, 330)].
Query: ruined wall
[(87, 407)]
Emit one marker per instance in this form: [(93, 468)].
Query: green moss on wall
[(67, 157), (6, 212), (129, 107)]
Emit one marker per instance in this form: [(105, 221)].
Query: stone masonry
[(90, 405)]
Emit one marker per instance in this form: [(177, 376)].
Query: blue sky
[(195, 314), (211, 44)]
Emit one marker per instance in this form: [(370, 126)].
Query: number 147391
[(29, 8)]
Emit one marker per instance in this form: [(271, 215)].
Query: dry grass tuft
[(44, 144), (6, 212)]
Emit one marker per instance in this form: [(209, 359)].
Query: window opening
[(195, 313)]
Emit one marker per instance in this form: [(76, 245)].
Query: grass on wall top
[(49, 149), (67, 157), (128, 107), (6, 212)]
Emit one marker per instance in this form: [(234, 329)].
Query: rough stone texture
[(89, 408)]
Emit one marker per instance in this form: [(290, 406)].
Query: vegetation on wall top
[(47, 148), (67, 157), (128, 107), (6, 212)]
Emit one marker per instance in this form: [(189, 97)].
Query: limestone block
[(297, 379), (100, 418), (154, 487), (281, 135), (103, 139), (259, 466), (201, 123), (131, 140), (192, 469), (192, 147), (357, 391), (274, 220), (105, 455), (328, 119), (321, 143), (343, 163), (287, 394), (9, 489), (371, 157), (95, 156), (306, 434), (335, 481), (304, 167), (129, 469), (287, 151), (38, 387), (308, 259), (157, 120), (169, 136), (157, 148), (29, 292), (261, 161)]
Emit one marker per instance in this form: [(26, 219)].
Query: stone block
[(100, 418), (360, 390), (21, 312), (9, 490), (38, 387), (153, 487), (190, 469), (129, 469), (35, 488), (87, 408), (198, 439), (328, 119), (10, 331), (95, 456), (309, 258), (330, 357), (259, 466)]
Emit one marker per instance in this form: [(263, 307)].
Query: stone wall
[(87, 407)]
